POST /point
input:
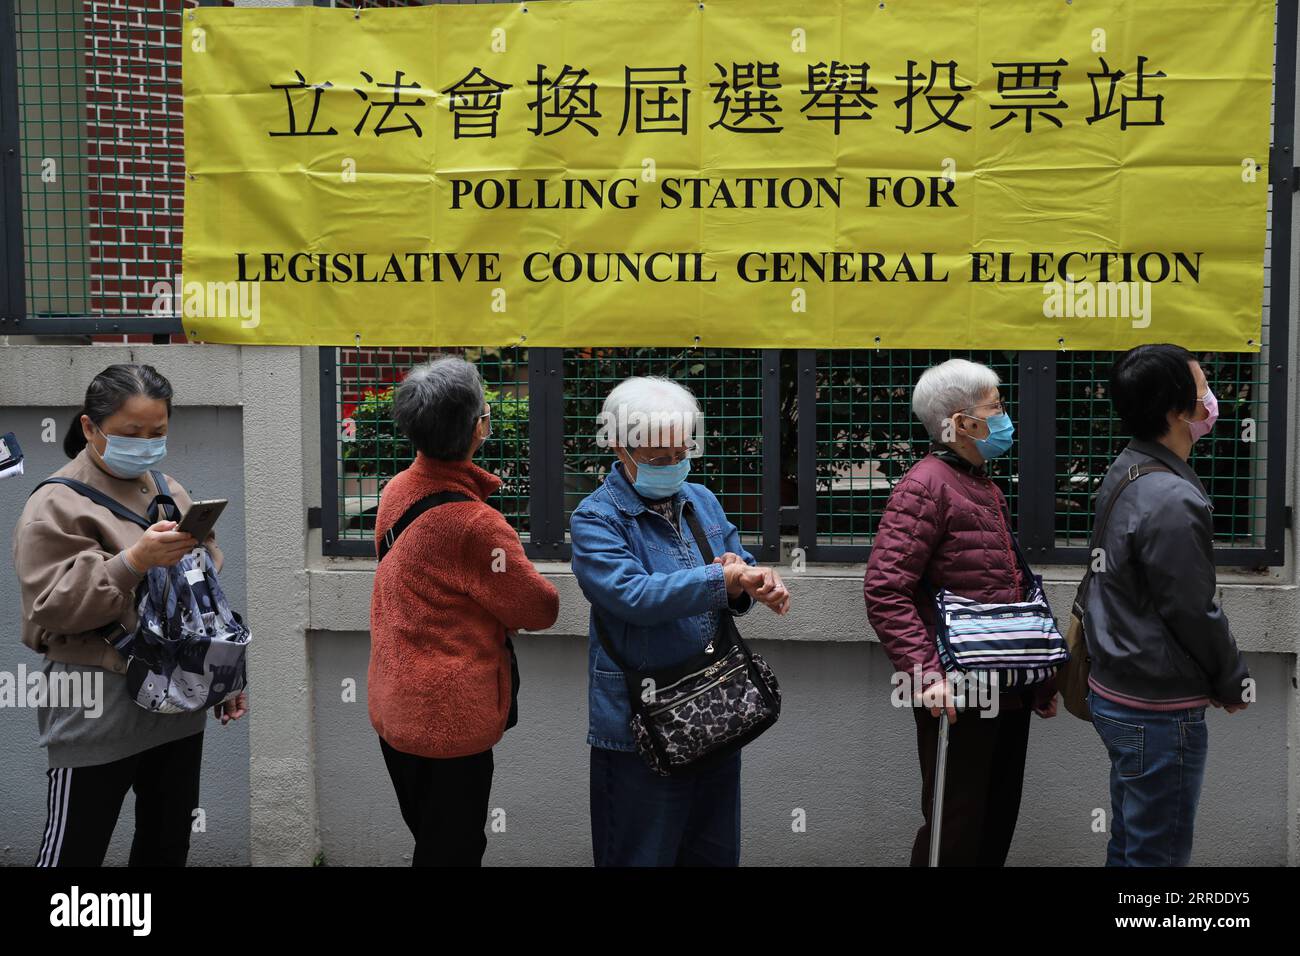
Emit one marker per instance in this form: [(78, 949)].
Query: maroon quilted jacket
[(945, 521)]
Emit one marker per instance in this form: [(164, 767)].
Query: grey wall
[(840, 753), (204, 453)]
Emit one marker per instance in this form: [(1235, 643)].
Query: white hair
[(648, 411), (950, 387)]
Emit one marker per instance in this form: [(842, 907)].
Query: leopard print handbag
[(704, 708), (707, 715)]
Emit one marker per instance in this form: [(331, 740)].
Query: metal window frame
[(13, 295), (14, 319)]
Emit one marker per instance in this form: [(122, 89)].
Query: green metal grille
[(369, 449), (52, 125), (99, 113), (867, 436), (728, 383), (1232, 461)]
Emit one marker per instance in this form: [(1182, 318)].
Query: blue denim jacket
[(658, 601)]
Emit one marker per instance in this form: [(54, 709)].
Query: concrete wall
[(841, 757), (840, 753)]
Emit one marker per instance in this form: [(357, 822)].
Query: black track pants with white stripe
[(84, 803)]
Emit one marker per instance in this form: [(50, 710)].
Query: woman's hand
[(939, 697), (733, 572), (1046, 708), (771, 591), (762, 584), (160, 546), (1229, 708), (231, 709)]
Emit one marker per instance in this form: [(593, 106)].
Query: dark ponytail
[(108, 392)]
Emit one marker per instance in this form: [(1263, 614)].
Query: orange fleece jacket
[(454, 582)]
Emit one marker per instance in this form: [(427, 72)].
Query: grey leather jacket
[(1156, 633)]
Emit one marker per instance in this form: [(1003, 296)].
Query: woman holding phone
[(78, 567)]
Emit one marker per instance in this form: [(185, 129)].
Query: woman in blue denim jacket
[(639, 566)]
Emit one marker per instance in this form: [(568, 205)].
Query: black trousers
[(444, 802), (986, 771), (84, 802)]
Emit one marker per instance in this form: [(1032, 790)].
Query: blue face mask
[(1001, 433), (660, 481), (132, 457)]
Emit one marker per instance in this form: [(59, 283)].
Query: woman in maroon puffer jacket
[(946, 525)]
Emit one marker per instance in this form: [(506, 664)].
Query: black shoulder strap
[(688, 510), (163, 507), (697, 532), (385, 544), (1015, 544), (97, 496), (1134, 473)]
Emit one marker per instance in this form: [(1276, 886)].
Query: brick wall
[(134, 152), (135, 160)]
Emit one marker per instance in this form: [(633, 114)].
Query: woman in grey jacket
[(1159, 642)]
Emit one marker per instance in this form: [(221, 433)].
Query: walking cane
[(940, 778)]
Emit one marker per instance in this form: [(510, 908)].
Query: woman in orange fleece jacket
[(455, 582)]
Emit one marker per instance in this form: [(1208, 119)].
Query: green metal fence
[(867, 436), (1232, 461), (827, 475), (365, 448), (728, 384)]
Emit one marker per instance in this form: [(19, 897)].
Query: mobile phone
[(201, 516)]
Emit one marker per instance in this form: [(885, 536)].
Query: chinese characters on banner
[(1012, 175)]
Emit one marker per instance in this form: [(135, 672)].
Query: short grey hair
[(950, 387), (665, 408), (437, 406)]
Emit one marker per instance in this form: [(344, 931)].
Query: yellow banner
[(1011, 174)]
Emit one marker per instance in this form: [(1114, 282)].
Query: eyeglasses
[(690, 451), (998, 407)]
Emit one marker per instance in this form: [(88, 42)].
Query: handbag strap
[(1133, 474), (407, 518), (702, 542), (1015, 544), (163, 503), (688, 511), (97, 496)]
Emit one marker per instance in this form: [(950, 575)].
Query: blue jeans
[(639, 818), (1157, 765)]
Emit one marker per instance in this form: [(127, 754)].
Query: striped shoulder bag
[(1018, 643)]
